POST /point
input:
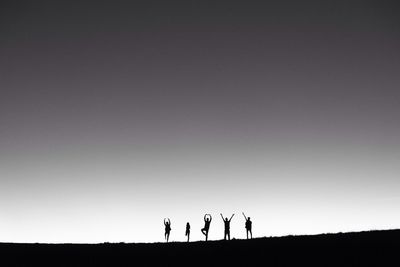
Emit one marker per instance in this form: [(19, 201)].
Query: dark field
[(374, 248)]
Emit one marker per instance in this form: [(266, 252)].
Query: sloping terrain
[(374, 248)]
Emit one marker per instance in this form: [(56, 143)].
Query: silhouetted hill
[(374, 248)]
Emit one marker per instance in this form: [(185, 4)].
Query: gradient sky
[(118, 114)]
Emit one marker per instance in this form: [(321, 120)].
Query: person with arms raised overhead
[(248, 226), (207, 222), (167, 223), (227, 226)]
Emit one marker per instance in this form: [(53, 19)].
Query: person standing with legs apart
[(207, 222), (167, 223), (248, 226), (227, 226), (187, 233)]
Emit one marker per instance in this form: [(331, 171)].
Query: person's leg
[(247, 234), (229, 235)]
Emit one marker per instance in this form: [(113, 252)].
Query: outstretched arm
[(164, 222), (169, 221), (210, 217), (232, 217), (222, 216), (244, 215)]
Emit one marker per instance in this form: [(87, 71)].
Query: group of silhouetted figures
[(207, 222)]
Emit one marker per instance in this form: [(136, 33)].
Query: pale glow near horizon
[(297, 198)]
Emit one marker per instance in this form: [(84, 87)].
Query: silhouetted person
[(227, 226), (167, 228), (187, 233), (248, 226), (207, 221)]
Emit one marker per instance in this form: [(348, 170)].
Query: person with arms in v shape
[(227, 226)]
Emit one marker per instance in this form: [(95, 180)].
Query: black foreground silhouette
[(167, 224), (248, 226), (207, 222), (375, 248), (227, 226), (187, 232)]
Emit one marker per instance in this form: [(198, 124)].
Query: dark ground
[(374, 248)]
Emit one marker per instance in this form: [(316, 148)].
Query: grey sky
[(115, 115)]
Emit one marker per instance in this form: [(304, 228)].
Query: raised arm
[(222, 217), (164, 222), (232, 217), (169, 221), (244, 215)]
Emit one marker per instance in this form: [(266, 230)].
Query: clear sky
[(118, 114)]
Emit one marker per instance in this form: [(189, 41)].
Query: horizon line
[(202, 241)]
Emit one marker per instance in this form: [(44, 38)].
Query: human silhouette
[(248, 226), (227, 226), (207, 221), (187, 233), (167, 223)]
